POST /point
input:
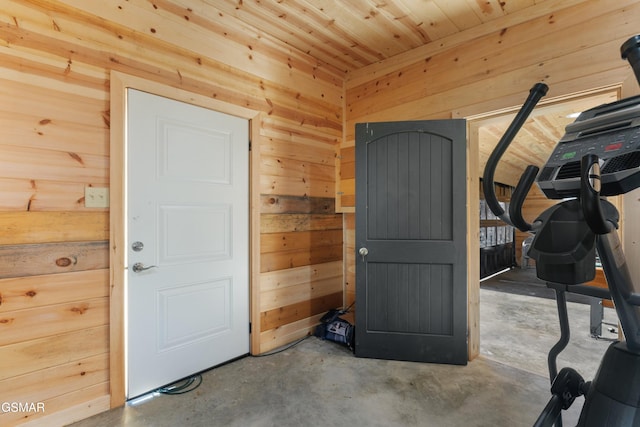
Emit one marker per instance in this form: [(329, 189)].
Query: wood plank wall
[(55, 59), (465, 77), (492, 67)]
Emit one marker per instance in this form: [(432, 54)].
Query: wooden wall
[(488, 68), (56, 56), (55, 60), (491, 69)]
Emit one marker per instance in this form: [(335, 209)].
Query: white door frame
[(119, 83)]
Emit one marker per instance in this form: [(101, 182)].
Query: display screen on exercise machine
[(612, 132)]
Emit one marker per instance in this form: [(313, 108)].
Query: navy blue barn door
[(411, 227)]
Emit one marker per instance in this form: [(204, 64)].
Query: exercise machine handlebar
[(535, 94), (518, 197), (630, 51), (590, 195)]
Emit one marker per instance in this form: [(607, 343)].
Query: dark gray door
[(411, 286)]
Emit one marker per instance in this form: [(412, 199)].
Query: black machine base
[(614, 396)]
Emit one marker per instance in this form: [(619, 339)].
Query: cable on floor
[(183, 386), (280, 350)]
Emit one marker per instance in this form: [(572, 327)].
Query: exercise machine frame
[(598, 156)]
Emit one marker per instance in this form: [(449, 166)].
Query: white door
[(188, 230)]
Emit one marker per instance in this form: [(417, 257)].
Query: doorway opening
[(518, 319)]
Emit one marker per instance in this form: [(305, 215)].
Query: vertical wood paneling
[(405, 167), (410, 298)]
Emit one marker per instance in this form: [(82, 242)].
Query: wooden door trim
[(475, 119), (119, 83)]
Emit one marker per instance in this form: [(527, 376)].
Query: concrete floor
[(320, 383)]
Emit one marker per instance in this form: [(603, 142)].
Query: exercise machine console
[(598, 156)]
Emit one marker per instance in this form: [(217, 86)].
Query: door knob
[(363, 253), (138, 267)]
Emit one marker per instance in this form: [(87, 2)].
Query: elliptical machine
[(599, 155)]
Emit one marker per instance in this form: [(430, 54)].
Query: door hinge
[(249, 327), (249, 145)]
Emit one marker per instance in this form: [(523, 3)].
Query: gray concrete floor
[(320, 383)]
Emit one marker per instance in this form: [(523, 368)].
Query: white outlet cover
[(96, 197)]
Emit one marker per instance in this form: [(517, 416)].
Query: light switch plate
[(96, 197)]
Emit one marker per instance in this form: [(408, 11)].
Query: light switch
[(96, 197)]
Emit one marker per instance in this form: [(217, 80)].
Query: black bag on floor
[(333, 328)]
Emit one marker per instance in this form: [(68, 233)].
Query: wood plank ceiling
[(349, 35)]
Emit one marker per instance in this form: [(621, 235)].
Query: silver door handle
[(363, 253), (138, 267)]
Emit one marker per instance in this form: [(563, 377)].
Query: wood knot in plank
[(80, 310), (76, 157), (65, 262), (106, 117), (31, 294), (6, 321)]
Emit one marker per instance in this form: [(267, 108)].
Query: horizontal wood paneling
[(51, 258), (277, 298), (296, 186), (71, 407), (286, 289), (299, 240), (32, 195), (29, 324), (30, 356), (293, 168), (494, 71), (56, 58), (295, 258), (274, 338), (304, 145), (300, 262), (288, 204), (36, 291), (61, 379), (273, 223), (47, 227), (295, 276), (277, 317)]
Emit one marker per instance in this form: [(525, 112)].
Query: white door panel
[(187, 203)]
